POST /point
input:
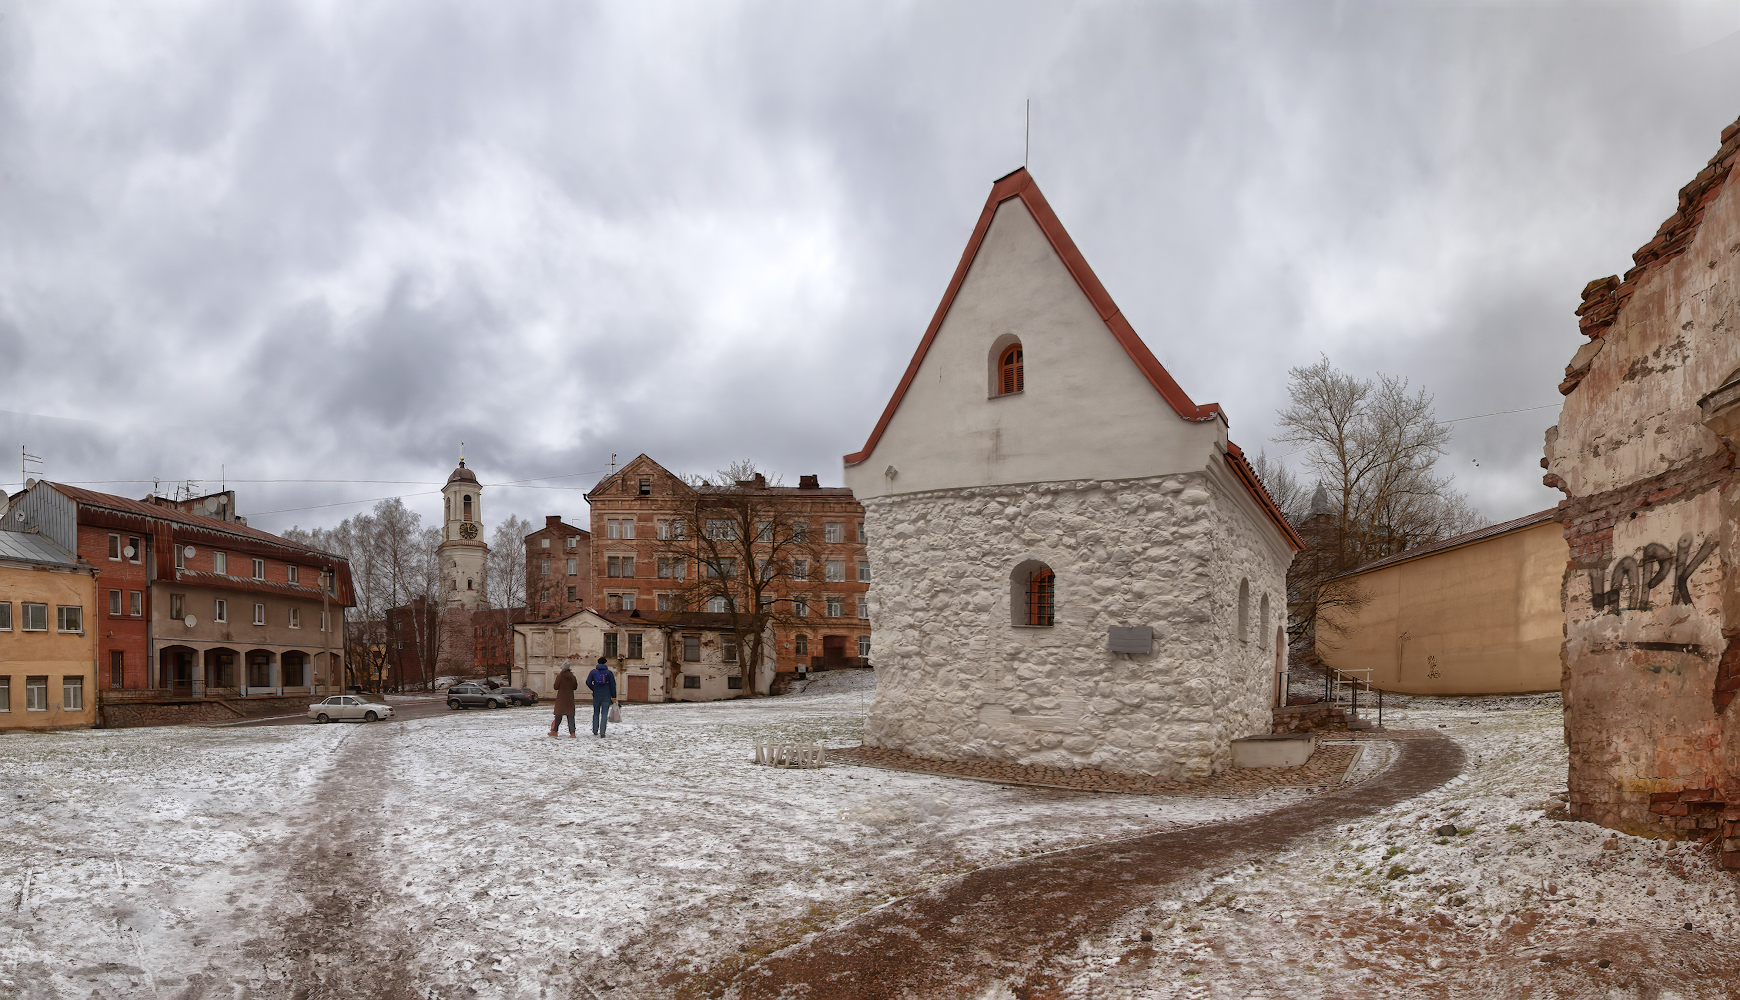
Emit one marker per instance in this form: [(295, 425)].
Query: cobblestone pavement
[(1326, 768), (997, 925)]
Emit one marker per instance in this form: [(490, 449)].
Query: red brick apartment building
[(558, 570), (195, 608), (631, 543)]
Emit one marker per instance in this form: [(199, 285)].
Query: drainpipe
[(326, 623)]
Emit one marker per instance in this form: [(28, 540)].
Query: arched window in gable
[(1010, 377), (1244, 611)]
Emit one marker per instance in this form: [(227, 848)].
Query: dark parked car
[(473, 695), (518, 696)]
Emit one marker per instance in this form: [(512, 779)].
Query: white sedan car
[(348, 706)]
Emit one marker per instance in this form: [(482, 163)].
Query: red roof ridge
[(1020, 184), (1235, 457)]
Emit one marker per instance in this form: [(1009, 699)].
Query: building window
[(72, 694), (35, 617), (36, 694), (628, 601), (259, 569), (620, 566), (835, 607), (573, 541), (800, 532), (610, 645), (664, 529), (69, 618), (573, 567), (466, 502), (863, 571), (764, 531), (860, 531), (117, 669), (801, 644), (719, 605), (573, 593), (800, 569), (5, 693), (636, 646), (543, 543), (5, 616), (1041, 597), (800, 606), (220, 562), (136, 603), (646, 487), (725, 568), (1010, 377), (292, 574), (619, 528), (664, 602), (864, 647), (180, 556), (135, 550), (114, 548), (692, 649), (863, 608), (544, 566), (764, 570), (1244, 611), (691, 681), (220, 610), (728, 648), (259, 614), (176, 602), (734, 682), (114, 602), (721, 529), (295, 617), (833, 533), (834, 571), (1263, 628)]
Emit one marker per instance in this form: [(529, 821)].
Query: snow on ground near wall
[(151, 861), (1386, 907)]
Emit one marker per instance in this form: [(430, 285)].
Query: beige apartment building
[(671, 656), (48, 645)]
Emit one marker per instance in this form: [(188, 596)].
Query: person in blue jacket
[(602, 684)]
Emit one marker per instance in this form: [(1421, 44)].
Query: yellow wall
[(1485, 617), (52, 654)]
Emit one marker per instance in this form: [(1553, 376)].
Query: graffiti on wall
[(1633, 577)]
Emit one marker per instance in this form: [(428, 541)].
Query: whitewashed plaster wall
[(956, 680)]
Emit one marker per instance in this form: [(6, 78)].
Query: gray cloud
[(327, 242)]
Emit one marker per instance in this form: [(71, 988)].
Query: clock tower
[(462, 553)]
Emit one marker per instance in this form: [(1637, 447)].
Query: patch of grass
[(1392, 852), (1513, 828)]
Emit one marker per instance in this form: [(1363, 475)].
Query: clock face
[(468, 530)]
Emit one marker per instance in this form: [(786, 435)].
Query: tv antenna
[(1027, 138), (24, 460)]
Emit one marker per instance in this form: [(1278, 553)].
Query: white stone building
[(1038, 492)]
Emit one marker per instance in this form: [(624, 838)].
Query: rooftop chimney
[(809, 483), (551, 520)]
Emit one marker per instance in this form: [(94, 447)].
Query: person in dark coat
[(603, 685), (566, 685)]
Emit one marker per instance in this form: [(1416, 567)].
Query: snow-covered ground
[(470, 854), (1515, 904)]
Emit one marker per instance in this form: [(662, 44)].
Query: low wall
[(136, 712), (1321, 717)]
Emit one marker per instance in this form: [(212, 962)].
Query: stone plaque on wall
[(1139, 640)]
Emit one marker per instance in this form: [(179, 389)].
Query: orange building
[(642, 557)]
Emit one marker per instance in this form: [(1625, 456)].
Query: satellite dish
[(210, 504), (188, 552), (190, 621), (128, 552)]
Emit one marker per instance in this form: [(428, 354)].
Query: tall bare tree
[(740, 553), (1372, 445), (504, 579)]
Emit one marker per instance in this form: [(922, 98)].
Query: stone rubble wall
[(957, 680)]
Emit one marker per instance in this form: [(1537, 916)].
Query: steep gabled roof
[(1020, 185), (620, 474)]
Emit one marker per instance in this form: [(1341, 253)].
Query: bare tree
[(752, 560), (1373, 446), (504, 579)]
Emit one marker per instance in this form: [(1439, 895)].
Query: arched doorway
[(261, 666), (221, 669), (293, 669), (175, 668)]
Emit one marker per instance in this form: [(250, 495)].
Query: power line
[(1501, 413)]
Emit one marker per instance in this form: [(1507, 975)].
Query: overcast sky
[(329, 241)]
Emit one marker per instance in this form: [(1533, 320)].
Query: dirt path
[(999, 923), (330, 938)]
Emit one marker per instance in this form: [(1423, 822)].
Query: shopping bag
[(616, 713)]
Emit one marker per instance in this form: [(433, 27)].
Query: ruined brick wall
[(1646, 461)]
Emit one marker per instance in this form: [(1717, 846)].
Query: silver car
[(348, 706)]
